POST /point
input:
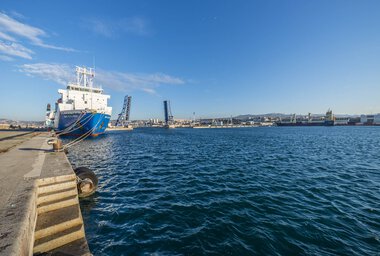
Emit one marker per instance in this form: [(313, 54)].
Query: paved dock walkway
[(21, 166), (10, 139), (16, 192)]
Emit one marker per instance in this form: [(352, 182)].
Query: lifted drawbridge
[(123, 119)]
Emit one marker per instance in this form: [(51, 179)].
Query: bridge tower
[(168, 113), (124, 116)]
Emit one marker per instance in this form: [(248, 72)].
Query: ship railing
[(76, 85)]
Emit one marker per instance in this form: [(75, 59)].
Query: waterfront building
[(341, 120), (370, 119)]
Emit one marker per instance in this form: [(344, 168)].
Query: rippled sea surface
[(247, 191)]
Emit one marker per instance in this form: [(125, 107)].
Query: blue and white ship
[(82, 109)]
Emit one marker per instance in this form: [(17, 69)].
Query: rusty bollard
[(57, 144)]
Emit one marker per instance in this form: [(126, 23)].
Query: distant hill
[(248, 116), (5, 121), (9, 121)]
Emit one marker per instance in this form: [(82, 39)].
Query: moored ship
[(82, 108), (327, 120)]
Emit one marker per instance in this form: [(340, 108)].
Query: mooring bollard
[(57, 144)]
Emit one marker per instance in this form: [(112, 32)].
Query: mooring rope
[(73, 123), (86, 119), (81, 138)]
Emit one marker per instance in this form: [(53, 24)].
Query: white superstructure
[(82, 95)]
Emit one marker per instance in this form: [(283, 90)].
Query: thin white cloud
[(137, 25), (120, 81), (113, 29), (15, 49), (149, 90), (5, 58), (49, 46), (10, 25), (100, 28), (13, 32), (6, 37), (124, 81), (17, 15), (59, 73)]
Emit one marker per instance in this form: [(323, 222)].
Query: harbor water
[(244, 191)]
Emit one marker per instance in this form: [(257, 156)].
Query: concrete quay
[(39, 206), (10, 139)]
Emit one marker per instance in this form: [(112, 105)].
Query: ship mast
[(82, 74)]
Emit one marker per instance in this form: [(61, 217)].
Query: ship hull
[(80, 122)]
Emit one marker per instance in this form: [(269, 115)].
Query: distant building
[(341, 120), (5, 126), (354, 121), (370, 119)]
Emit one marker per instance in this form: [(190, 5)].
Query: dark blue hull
[(77, 123)]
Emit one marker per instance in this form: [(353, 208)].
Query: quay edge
[(39, 206)]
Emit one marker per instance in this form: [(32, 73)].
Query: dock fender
[(87, 182)]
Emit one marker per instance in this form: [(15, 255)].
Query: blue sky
[(214, 58)]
